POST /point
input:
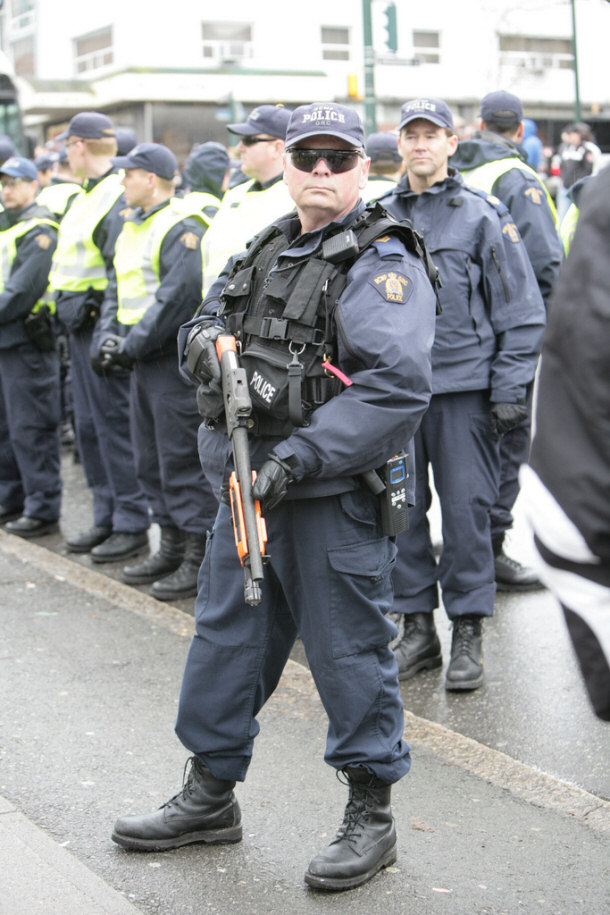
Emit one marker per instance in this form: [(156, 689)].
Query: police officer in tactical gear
[(494, 162), (484, 357), (30, 482), (157, 286), (345, 285)]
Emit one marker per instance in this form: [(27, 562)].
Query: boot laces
[(463, 634), (356, 811), (187, 783)]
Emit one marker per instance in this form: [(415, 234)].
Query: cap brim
[(62, 136), (325, 133), (123, 162), (244, 130)]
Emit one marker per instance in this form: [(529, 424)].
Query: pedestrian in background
[(492, 161), (30, 482), (251, 205), (157, 287), (484, 357), (328, 577), (79, 277)]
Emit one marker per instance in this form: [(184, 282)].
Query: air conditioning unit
[(538, 65)]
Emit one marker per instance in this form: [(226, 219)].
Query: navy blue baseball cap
[(430, 109), (89, 125), (325, 119), (152, 157), (207, 166), (18, 167), (383, 147), (503, 107), (46, 160), (126, 139), (271, 119), (7, 147)]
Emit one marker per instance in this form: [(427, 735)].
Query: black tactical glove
[(272, 482), (505, 416), (200, 351), (111, 355)]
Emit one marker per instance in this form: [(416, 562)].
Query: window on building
[(226, 42), (335, 42), (22, 14), (94, 50), (426, 46), (535, 54), (23, 56)]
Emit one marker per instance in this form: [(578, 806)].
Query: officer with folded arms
[(30, 482), (340, 284)]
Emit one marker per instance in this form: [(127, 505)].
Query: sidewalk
[(91, 671)]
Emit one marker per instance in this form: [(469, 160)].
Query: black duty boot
[(511, 575), (167, 559), (419, 647), (206, 810), (465, 669), (366, 840), (183, 582)]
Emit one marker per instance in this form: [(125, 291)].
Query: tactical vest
[(485, 176), (285, 322), (56, 197), (136, 259), (8, 251), (78, 263)]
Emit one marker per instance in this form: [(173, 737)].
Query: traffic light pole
[(370, 117)]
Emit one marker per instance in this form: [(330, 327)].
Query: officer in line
[(329, 572), (157, 288), (206, 172), (569, 222), (30, 482), (493, 162), (79, 277), (386, 163), (486, 346), (251, 205)]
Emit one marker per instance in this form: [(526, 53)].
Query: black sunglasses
[(338, 160), (250, 141)]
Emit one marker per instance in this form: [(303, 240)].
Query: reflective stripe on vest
[(78, 263), (8, 252), (485, 176), (196, 201), (240, 217), (136, 259)]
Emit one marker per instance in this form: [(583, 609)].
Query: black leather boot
[(366, 840), (465, 669), (183, 582), (167, 559), (206, 810), (419, 648)]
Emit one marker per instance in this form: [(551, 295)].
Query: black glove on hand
[(272, 482), (505, 416), (111, 355), (200, 351)]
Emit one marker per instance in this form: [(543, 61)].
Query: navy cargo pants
[(329, 580)]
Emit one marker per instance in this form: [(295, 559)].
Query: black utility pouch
[(39, 329)]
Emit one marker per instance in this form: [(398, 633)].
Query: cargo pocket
[(360, 596)]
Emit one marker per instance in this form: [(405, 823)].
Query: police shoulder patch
[(383, 238), (189, 240), (126, 212), (511, 232), (43, 241), (534, 194), (392, 286), (495, 201)]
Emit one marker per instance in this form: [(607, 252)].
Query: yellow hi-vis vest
[(195, 201), (8, 252), (485, 176), (240, 217), (568, 227), (78, 263), (136, 259), (55, 197)]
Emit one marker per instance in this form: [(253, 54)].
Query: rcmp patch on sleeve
[(126, 213), (43, 241), (392, 286), (534, 194), (495, 201), (189, 240), (511, 232)]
